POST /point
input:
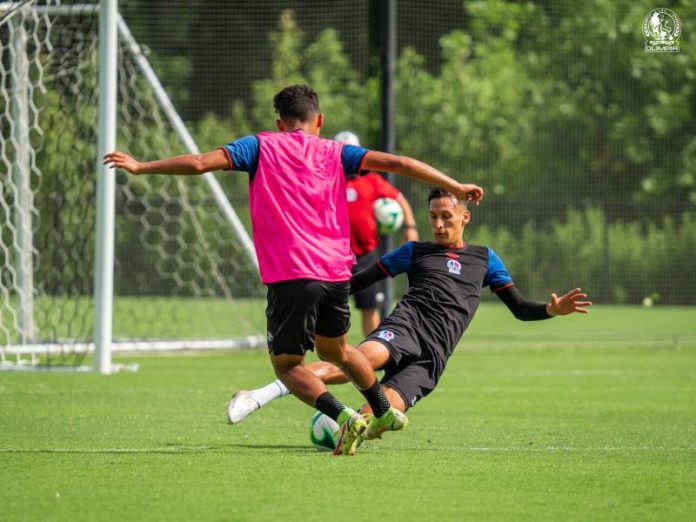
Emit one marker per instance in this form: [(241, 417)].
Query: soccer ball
[(389, 215), (323, 432)]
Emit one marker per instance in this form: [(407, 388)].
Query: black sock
[(329, 405), (376, 398)]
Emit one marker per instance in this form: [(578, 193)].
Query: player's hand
[(470, 192), (410, 234), (571, 302), (121, 160)]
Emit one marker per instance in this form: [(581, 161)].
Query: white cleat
[(241, 406)]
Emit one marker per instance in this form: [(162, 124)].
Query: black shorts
[(414, 369), (372, 296), (299, 309)]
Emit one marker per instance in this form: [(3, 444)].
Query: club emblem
[(387, 335), (661, 28), (454, 266)]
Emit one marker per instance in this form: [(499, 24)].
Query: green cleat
[(351, 430), (393, 420), (368, 418)]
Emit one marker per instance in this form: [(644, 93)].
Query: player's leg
[(370, 298), (376, 353), (405, 385), (396, 335), (393, 423), (291, 314), (395, 400), (370, 320), (245, 402), (333, 322), (312, 391), (355, 366), (303, 384), (366, 301)]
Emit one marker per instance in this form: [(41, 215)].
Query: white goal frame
[(112, 27)]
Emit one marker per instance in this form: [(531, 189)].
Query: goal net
[(185, 273)]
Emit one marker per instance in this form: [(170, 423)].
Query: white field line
[(164, 449), (184, 449), (558, 449), (581, 373)]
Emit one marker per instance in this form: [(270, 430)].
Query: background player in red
[(362, 192)]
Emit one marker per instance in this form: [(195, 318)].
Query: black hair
[(439, 192), (299, 102)]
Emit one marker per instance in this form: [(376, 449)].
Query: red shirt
[(361, 193)]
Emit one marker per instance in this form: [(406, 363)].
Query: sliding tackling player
[(445, 280)]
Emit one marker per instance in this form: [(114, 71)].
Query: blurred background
[(584, 142)]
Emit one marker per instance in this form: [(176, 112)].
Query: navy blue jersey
[(444, 290)]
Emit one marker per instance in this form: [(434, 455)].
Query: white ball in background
[(389, 215)]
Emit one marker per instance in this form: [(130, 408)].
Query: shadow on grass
[(169, 449)]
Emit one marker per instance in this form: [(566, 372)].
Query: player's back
[(298, 207)]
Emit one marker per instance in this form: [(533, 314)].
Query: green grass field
[(580, 418)]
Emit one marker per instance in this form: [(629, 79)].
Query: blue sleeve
[(351, 157), (497, 276), (398, 261), (243, 154)]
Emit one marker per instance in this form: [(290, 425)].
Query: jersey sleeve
[(398, 261), (351, 158), (243, 154), (497, 276), (383, 188)]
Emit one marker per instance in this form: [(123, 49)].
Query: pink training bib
[(298, 209)]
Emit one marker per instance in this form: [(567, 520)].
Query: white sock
[(271, 391)]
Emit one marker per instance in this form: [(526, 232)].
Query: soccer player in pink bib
[(297, 197)]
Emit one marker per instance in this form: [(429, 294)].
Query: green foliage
[(549, 103), (323, 64), (621, 262), (535, 101), (542, 104)]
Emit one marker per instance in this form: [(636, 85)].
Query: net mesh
[(173, 245), (584, 142)]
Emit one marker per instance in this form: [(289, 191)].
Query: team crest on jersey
[(351, 195), (387, 335), (454, 266)]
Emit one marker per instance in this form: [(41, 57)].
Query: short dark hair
[(299, 102), (439, 192)]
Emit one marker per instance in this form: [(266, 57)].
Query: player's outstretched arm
[(367, 277), (573, 301), (526, 310), (186, 164), (405, 166)]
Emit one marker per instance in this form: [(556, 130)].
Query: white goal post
[(170, 254)]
